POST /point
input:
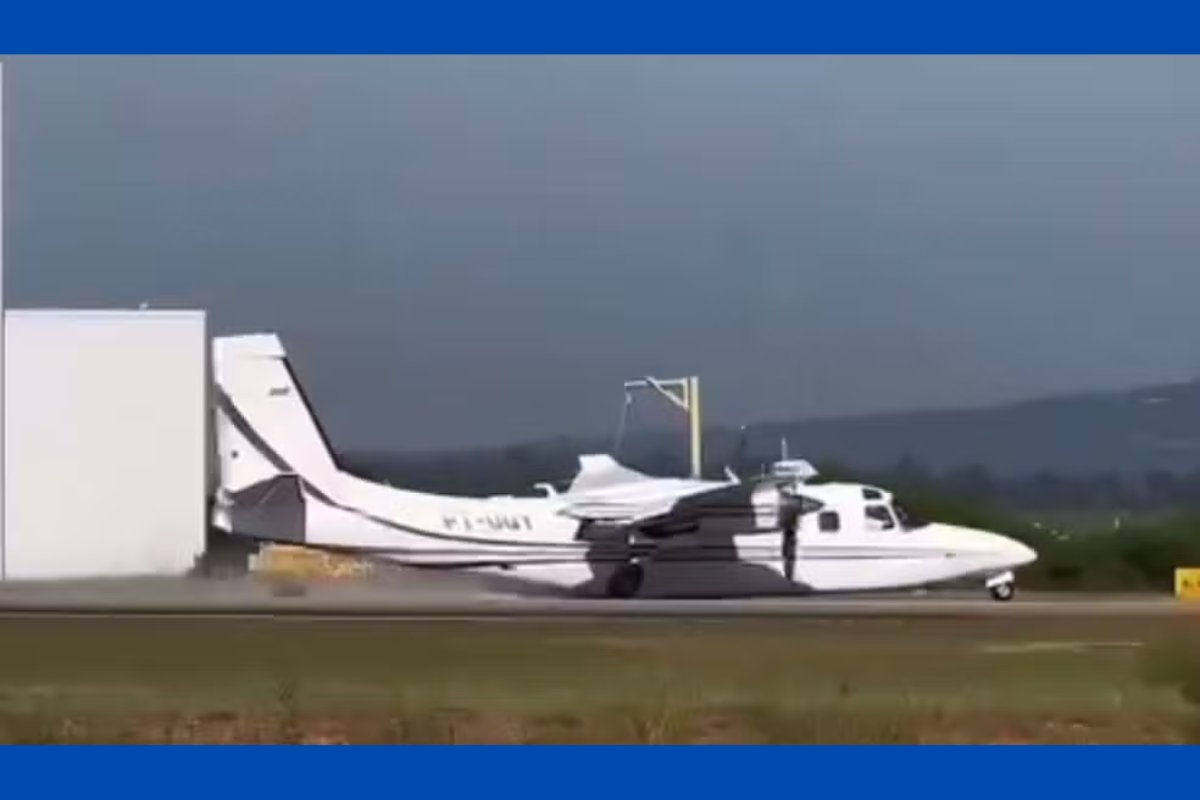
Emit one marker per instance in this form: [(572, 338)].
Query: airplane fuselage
[(528, 540), (613, 531)]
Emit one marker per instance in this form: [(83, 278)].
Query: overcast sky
[(479, 250)]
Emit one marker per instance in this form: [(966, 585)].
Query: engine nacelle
[(779, 506)]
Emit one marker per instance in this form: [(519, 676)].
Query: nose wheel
[(1003, 592), (1002, 587)]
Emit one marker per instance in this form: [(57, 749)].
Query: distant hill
[(1124, 432), (1121, 433)]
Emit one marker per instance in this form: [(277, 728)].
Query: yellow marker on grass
[(1187, 583)]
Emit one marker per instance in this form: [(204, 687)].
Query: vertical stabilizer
[(264, 424)]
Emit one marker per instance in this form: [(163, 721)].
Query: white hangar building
[(104, 432), (106, 443)]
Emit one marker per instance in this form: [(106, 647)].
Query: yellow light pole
[(684, 394)]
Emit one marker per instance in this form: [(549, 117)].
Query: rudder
[(264, 424)]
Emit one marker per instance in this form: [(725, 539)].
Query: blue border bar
[(575, 773), (617, 26), (585, 773)]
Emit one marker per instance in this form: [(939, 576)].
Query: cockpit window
[(872, 494), (909, 520), (881, 517), (829, 522)]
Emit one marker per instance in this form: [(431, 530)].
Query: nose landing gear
[(1003, 592), (1002, 587)]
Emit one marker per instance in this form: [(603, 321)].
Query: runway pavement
[(426, 596)]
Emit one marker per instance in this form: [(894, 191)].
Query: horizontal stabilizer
[(281, 491), (272, 509)]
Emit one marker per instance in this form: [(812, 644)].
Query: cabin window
[(829, 522), (908, 520), (872, 494), (879, 518)]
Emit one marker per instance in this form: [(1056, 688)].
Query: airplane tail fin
[(265, 427)]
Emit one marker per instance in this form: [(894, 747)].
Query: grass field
[(801, 680)]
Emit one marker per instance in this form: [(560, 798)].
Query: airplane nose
[(1019, 552), (1002, 552)]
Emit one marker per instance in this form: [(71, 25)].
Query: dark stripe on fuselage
[(316, 421)]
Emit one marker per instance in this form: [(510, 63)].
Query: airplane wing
[(608, 493), (600, 471), (665, 503), (655, 505)]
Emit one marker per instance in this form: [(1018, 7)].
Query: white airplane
[(613, 531)]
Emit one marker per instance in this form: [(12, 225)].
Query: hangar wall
[(105, 443)]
